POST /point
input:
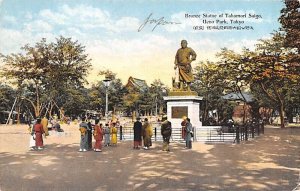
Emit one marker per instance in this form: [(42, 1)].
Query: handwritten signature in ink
[(156, 22)]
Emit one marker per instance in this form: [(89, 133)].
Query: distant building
[(134, 83), (243, 108), (233, 96)]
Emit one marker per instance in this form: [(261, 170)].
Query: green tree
[(234, 67), (269, 69), (131, 100), (157, 91), (7, 95), (210, 83), (116, 91), (290, 21), (49, 68), (75, 101)]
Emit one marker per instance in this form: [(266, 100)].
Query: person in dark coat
[(89, 134), (137, 132), (166, 132)]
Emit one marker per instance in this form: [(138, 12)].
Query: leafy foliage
[(50, 68)]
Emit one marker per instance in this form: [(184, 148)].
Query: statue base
[(179, 104)]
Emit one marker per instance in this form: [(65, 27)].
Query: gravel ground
[(269, 162)]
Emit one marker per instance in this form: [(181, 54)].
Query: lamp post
[(106, 82), (156, 106)]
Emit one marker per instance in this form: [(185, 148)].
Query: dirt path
[(270, 162)]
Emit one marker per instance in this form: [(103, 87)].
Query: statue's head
[(183, 43)]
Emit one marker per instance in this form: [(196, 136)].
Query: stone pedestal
[(183, 105)]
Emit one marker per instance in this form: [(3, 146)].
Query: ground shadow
[(269, 162)]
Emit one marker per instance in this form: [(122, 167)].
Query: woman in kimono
[(39, 131), (98, 136), (147, 134), (44, 122), (114, 132), (83, 126), (106, 135)]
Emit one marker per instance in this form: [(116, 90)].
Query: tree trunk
[(277, 99), (281, 110), (289, 114), (281, 113), (244, 113), (205, 116), (18, 115), (37, 109), (50, 110)]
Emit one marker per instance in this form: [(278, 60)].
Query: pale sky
[(109, 30)]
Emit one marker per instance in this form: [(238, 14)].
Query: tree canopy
[(49, 68)]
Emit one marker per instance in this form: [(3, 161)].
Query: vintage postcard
[(149, 95)]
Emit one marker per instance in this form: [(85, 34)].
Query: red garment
[(98, 135), (38, 129)]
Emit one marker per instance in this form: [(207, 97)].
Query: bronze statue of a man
[(183, 59)]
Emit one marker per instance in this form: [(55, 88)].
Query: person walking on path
[(106, 135), (83, 126), (44, 122), (114, 132), (189, 133), (137, 133), (166, 132), (39, 131), (147, 134), (98, 136)]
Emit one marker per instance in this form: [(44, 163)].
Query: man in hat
[(166, 131), (137, 133)]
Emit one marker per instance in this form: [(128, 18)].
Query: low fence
[(206, 134), (214, 134), (248, 131)]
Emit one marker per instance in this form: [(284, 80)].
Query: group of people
[(187, 132), (88, 130), (142, 132), (145, 131)]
